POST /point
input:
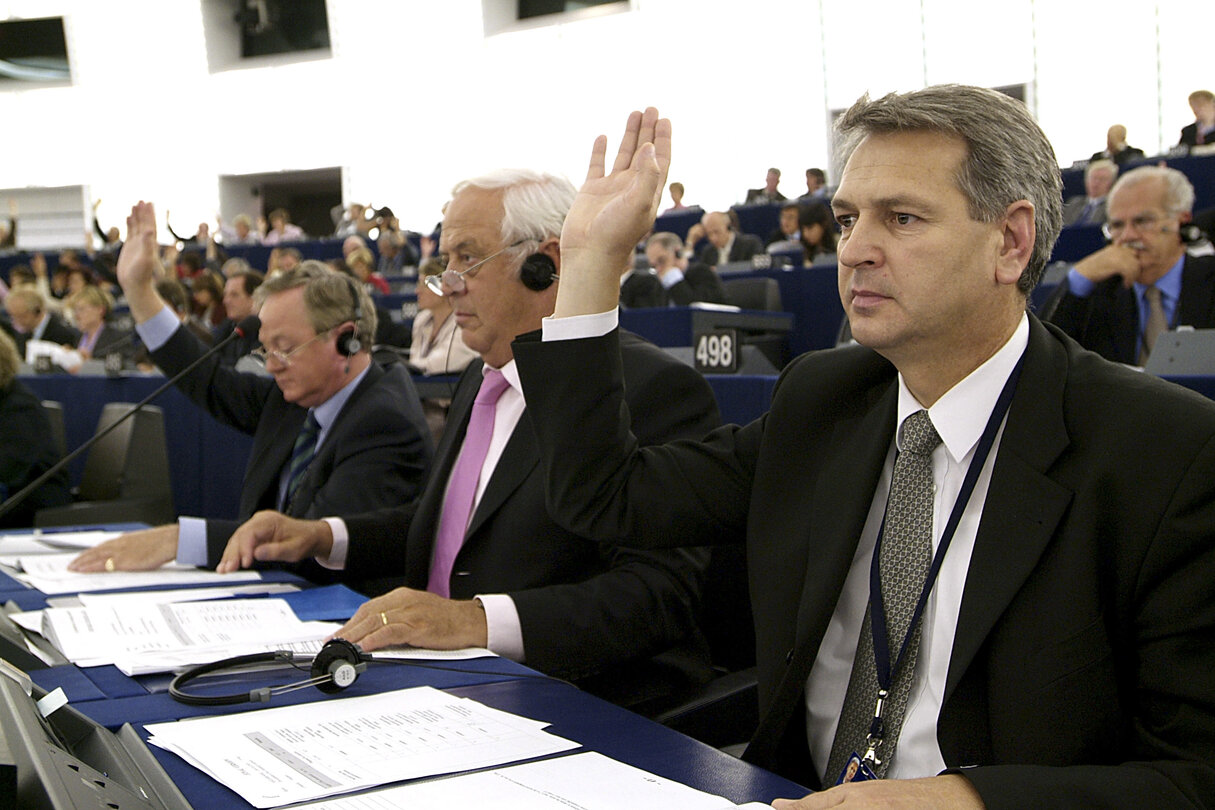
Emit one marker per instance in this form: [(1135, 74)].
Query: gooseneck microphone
[(248, 326)]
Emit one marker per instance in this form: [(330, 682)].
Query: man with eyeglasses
[(484, 564), (332, 431), (1117, 301)]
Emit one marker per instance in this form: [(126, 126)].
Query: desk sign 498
[(716, 351)]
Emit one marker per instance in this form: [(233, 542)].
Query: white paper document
[(49, 574), (586, 781), (290, 754), (139, 631), (59, 540)]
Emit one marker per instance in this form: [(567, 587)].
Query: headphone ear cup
[(341, 661), (538, 272), (348, 343)]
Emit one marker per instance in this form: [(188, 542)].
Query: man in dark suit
[(1089, 208), (683, 281), (620, 622), (332, 431), (1202, 131), (725, 242), (238, 305), (1116, 147), (32, 320), (1062, 658), (1106, 301)]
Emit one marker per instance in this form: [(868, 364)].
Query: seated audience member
[(816, 186), (787, 235), (350, 221), (817, 226), (769, 194), (362, 265), (1062, 657), (332, 431), (683, 282), (174, 294), (239, 303), (207, 293), (352, 243), (282, 260), (676, 190), (32, 320), (396, 254), (437, 346), (235, 266), (1089, 208), (91, 307), (241, 232), (1116, 147), (190, 263), (281, 229), (483, 563), (726, 244), (78, 277), (202, 235), (26, 448), (35, 275), (640, 288), (1117, 301), (111, 238), (1202, 131)]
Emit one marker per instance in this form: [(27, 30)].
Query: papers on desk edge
[(48, 573), (289, 754), (582, 781)]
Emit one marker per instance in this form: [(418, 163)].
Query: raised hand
[(139, 266), (611, 213), (274, 537)]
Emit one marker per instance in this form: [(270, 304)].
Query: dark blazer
[(238, 348), (1189, 135), (113, 340), (1107, 321), (642, 289), (745, 246), (57, 331), (598, 614), (376, 453), (1073, 208), (1082, 672), (700, 283), (26, 452), (1120, 157)]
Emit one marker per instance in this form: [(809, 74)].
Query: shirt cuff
[(671, 278), (336, 561), (1078, 285), (192, 541), (505, 636), (156, 331), (580, 326)]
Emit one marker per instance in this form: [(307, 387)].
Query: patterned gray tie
[(906, 556)]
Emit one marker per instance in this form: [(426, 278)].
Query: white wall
[(416, 97)]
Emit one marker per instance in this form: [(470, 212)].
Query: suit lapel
[(1023, 505), (266, 462), (519, 458)]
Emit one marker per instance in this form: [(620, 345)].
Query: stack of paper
[(145, 636), (298, 753), (49, 573)]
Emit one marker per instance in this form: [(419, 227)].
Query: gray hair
[(1178, 192), (667, 240), (1008, 156), (328, 297), (1101, 164), (534, 204)]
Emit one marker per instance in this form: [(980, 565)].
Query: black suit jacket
[(700, 283), (376, 453), (57, 331), (1083, 669), (1107, 321), (1189, 135), (642, 289), (240, 345), (598, 614), (745, 246), (26, 452)]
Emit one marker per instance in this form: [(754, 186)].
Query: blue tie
[(301, 456)]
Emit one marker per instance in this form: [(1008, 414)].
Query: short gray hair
[(1101, 164), (668, 241), (328, 297), (534, 204), (1178, 191), (1008, 156)]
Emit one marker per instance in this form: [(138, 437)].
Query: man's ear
[(1018, 235), (551, 247)]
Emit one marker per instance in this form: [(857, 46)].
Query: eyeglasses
[(264, 355), (454, 279), (1142, 224)]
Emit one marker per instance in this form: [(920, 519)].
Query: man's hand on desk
[(419, 619), (274, 537), (144, 550), (948, 792)]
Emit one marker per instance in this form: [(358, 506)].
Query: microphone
[(248, 326)]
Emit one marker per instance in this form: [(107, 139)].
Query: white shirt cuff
[(671, 278), (505, 636), (192, 541), (580, 326), (336, 561), (156, 331)]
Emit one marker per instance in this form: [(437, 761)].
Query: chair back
[(132, 461), (54, 414), (753, 293)]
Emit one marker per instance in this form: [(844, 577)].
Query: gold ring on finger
[(109, 565), (384, 618)]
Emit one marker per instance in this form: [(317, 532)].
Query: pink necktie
[(462, 488)]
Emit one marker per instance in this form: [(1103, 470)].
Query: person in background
[(769, 194), (438, 344), (362, 264), (91, 307), (817, 226), (816, 186), (281, 229), (1089, 208), (1116, 147), (31, 319), (1202, 131), (677, 204), (683, 281)]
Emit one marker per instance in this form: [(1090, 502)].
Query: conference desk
[(111, 699)]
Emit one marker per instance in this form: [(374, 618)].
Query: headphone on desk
[(334, 669)]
